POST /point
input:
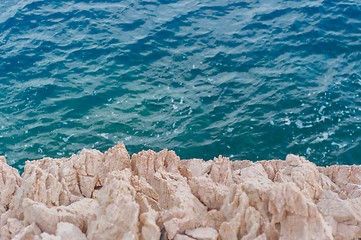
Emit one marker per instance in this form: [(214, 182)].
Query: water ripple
[(250, 79)]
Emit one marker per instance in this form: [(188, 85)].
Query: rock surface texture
[(158, 196)]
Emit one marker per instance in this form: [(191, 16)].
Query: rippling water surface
[(245, 79)]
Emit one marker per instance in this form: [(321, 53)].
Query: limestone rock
[(206, 233), (221, 171), (182, 237), (211, 194), (340, 215), (195, 167), (347, 178), (117, 216), (296, 214), (147, 163), (155, 195), (115, 159), (69, 231), (48, 218), (9, 183), (87, 168), (29, 232)]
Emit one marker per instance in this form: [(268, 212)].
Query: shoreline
[(156, 195)]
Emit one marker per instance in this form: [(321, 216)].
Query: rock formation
[(158, 196)]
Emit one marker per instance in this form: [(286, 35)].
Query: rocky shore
[(151, 195)]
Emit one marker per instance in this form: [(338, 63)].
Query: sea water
[(245, 79)]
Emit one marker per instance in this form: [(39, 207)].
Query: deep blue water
[(245, 79)]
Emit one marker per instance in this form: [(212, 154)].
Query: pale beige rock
[(47, 218), (115, 159), (9, 183), (305, 175), (117, 216), (296, 214), (29, 232), (256, 185), (144, 189), (11, 228), (273, 167), (182, 209), (341, 215), (237, 212), (221, 171), (236, 165), (87, 166), (182, 237), (68, 231), (208, 192), (205, 233), (196, 167), (58, 182), (148, 218), (38, 185), (47, 236), (347, 178), (147, 163), (158, 196)]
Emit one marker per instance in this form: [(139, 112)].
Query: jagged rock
[(47, 236), (147, 163), (115, 159), (305, 175), (296, 214), (158, 196), (182, 237), (182, 209), (221, 171), (195, 167), (12, 228), (211, 194), (347, 178), (47, 218), (9, 183), (340, 215), (68, 231), (29, 232), (148, 218), (206, 233), (117, 216)]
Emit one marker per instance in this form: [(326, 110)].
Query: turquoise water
[(245, 79)]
